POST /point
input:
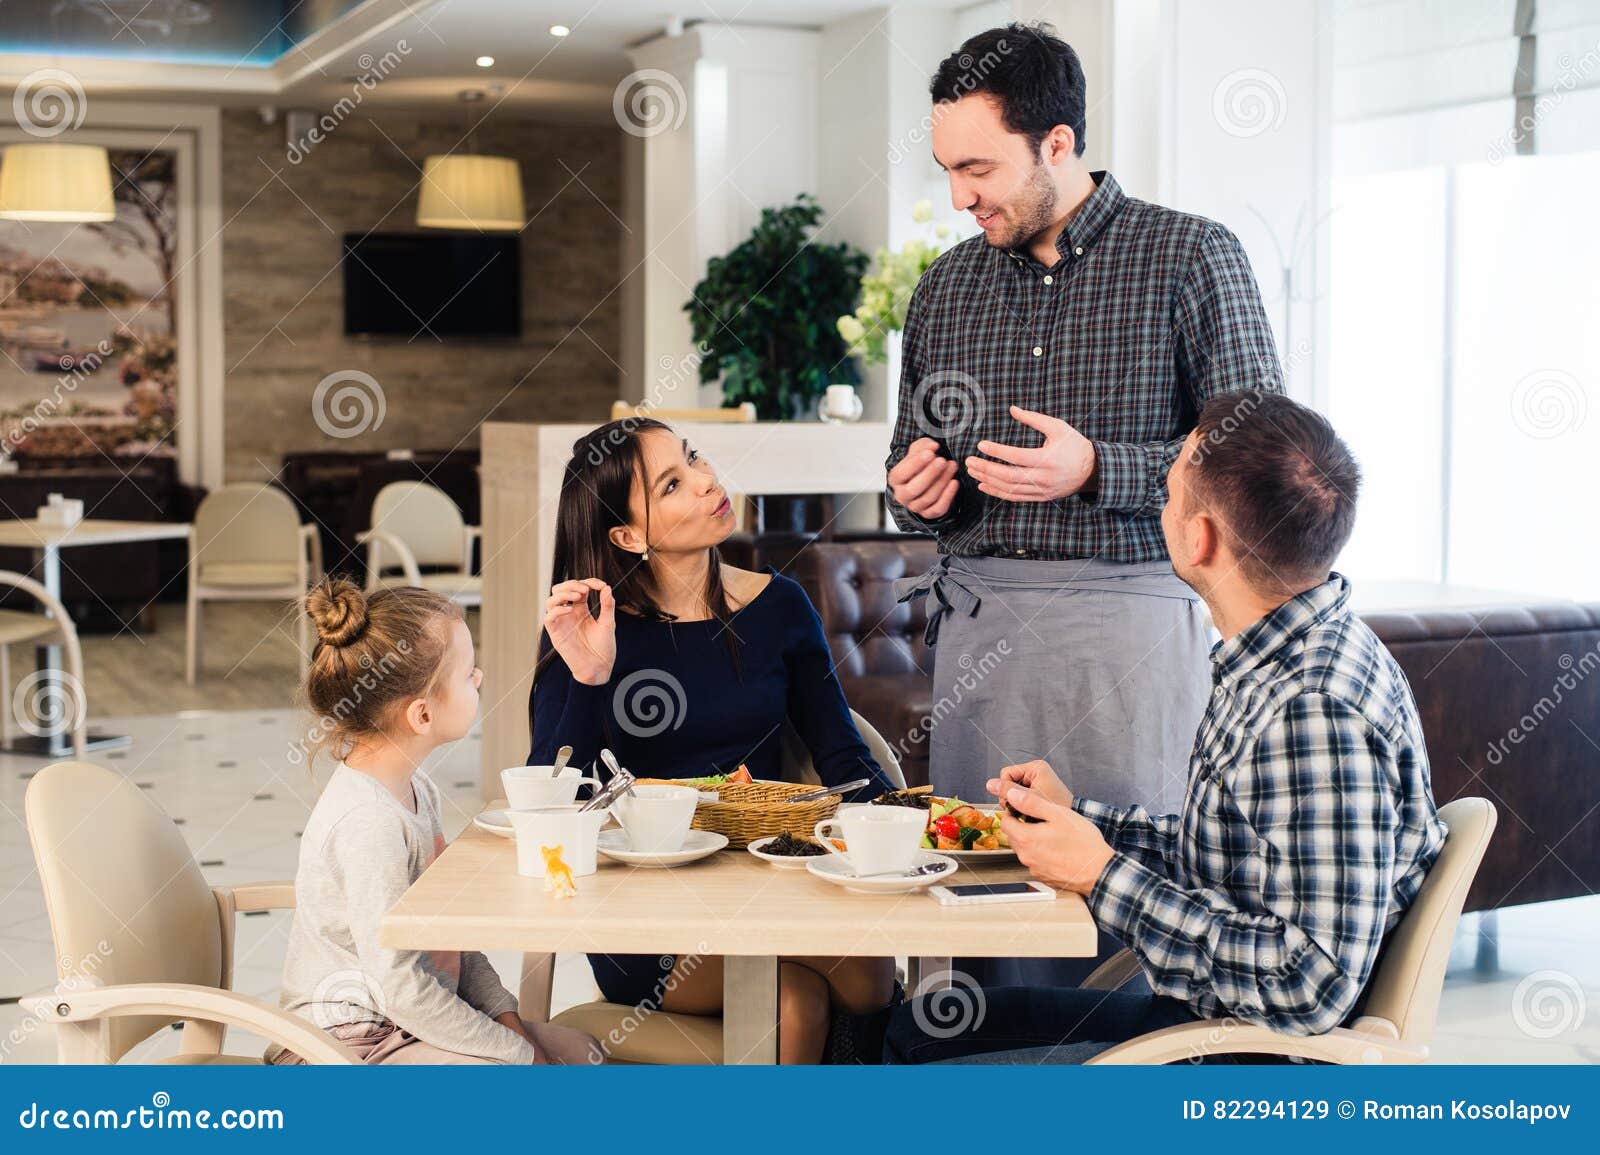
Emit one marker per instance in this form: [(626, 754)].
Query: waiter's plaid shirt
[(1148, 313), (1307, 828)]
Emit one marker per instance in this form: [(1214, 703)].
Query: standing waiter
[(1051, 369)]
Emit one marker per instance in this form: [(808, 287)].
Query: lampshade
[(56, 182), (470, 192)]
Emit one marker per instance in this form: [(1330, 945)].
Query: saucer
[(699, 844), (495, 822), (837, 870)]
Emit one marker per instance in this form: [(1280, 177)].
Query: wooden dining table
[(730, 904)]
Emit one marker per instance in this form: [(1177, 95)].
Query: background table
[(731, 904), (47, 542)]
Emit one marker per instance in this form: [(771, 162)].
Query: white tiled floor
[(229, 777)]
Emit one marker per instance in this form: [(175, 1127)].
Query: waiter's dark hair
[(1281, 481), (1032, 72)]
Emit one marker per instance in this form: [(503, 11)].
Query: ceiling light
[(560, 30), (56, 182), (486, 62), (470, 192)]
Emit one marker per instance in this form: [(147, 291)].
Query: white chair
[(248, 545), (141, 941), (53, 628), (664, 1037), (1400, 1007), (415, 524)]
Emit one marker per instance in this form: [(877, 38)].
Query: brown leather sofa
[(1509, 699)]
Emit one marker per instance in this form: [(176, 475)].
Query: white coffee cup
[(656, 818), (878, 839), (574, 831), (532, 787)]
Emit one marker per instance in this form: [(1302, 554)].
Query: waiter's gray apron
[(1100, 668)]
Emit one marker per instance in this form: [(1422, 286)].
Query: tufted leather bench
[(1480, 677)]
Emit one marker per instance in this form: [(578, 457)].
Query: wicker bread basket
[(746, 811)]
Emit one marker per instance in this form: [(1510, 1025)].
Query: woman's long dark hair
[(595, 493)]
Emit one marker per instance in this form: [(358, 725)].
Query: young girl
[(392, 679), (689, 667)]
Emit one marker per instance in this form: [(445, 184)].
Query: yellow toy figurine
[(557, 875)]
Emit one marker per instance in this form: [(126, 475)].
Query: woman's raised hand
[(587, 644)]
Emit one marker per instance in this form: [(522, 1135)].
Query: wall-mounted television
[(432, 286)]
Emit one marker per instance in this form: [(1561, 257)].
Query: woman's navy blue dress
[(677, 707)]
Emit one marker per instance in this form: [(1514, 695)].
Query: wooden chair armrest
[(259, 895), (81, 1002), (1115, 973), (1228, 1036), (372, 538)]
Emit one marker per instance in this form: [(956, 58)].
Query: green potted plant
[(763, 317), (886, 292)]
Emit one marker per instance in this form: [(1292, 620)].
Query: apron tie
[(950, 594)]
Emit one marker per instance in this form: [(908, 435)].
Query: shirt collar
[(1090, 221), (1262, 641)]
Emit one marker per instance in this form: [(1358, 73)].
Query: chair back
[(794, 760), (740, 414), (126, 901), (247, 524), (1409, 976), (425, 518)]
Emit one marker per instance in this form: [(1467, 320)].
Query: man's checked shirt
[(1307, 828), (1149, 313)]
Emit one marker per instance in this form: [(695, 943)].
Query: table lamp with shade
[(56, 182)]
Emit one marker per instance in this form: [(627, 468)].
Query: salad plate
[(781, 861)]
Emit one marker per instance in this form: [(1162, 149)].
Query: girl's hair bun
[(338, 609)]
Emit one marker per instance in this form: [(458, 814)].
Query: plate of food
[(955, 828), (785, 851)]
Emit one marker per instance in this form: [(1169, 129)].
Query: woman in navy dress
[(685, 667)]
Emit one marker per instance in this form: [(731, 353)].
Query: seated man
[(1308, 825)]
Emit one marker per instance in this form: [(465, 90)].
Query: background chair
[(248, 545), (739, 414), (415, 524), (664, 1037), (141, 940), (1400, 1006), (54, 628)]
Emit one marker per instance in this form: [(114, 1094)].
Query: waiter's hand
[(1060, 467), (1063, 849), (1037, 776), (924, 482)]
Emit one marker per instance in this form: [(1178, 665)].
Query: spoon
[(563, 756), (914, 872)]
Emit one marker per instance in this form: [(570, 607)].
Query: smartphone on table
[(970, 894)]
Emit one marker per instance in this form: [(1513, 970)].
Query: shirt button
[(1038, 351), (1078, 251), (1047, 280)]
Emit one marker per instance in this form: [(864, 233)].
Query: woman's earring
[(645, 556)]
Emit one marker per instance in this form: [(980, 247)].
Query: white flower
[(922, 211), (851, 329), (942, 232)]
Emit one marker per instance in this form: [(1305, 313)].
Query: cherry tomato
[(947, 827)]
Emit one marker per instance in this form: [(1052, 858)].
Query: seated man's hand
[(1063, 849), (1036, 776)]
